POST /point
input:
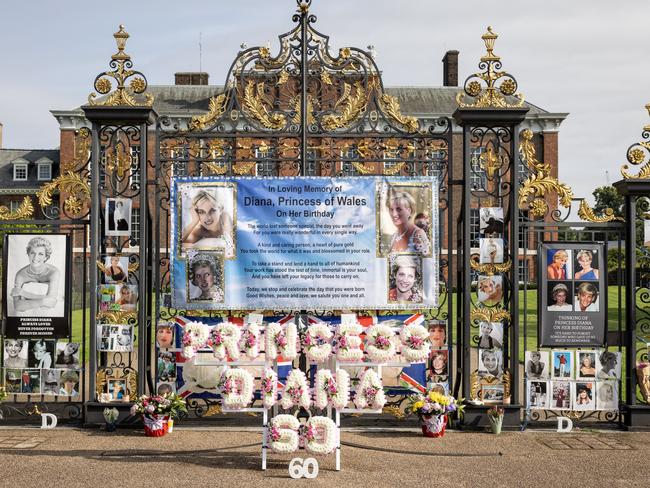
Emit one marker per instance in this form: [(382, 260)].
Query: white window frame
[(21, 164), (43, 163)]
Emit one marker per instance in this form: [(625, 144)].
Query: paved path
[(67, 457)]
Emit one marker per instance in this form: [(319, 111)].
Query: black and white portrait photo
[(41, 354), (67, 355), (608, 365), (607, 395), (207, 217), (491, 250), (490, 362), (490, 335), (537, 365), (36, 268), (15, 353), (205, 277), (538, 396), (491, 220), (115, 337), (117, 217)]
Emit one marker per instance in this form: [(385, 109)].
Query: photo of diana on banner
[(36, 268), (305, 241)]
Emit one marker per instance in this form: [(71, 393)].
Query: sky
[(584, 57)]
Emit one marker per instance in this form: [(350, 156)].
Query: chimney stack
[(450, 69), (191, 78)]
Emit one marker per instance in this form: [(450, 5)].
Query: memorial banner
[(572, 298), (36, 298), (307, 242)]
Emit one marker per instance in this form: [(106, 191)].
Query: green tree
[(608, 197)]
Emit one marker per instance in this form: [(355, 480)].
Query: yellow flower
[(417, 405), (439, 398)]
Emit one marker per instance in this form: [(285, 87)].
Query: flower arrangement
[(296, 391), (195, 335), (283, 433), (415, 343), (348, 342), (281, 341), (495, 412), (332, 390), (320, 435), (379, 345), (250, 341), (433, 403), (269, 388), (224, 340), (236, 388), (111, 415), (170, 405), (317, 342), (370, 391)]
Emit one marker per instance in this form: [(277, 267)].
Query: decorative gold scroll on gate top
[(343, 89), (123, 95), (637, 155), (483, 87), (73, 185), (24, 211), (535, 188)]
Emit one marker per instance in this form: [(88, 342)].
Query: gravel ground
[(68, 457)]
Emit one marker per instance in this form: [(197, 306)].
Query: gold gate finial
[(123, 94), (482, 87), (637, 155)]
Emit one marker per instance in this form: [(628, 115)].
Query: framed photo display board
[(36, 286), (572, 295)]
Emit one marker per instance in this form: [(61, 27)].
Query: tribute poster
[(572, 298), (307, 242), (36, 285)]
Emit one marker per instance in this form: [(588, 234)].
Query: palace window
[(44, 166), (134, 178), (474, 227), (20, 171)]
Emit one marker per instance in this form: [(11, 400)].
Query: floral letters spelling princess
[(379, 345), (194, 337), (415, 343), (281, 340), (224, 340), (349, 343), (317, 342)]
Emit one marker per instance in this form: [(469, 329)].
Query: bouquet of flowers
[(169, 405), (495, 412), (434, 403)]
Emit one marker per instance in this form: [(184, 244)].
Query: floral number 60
[(307, 468)]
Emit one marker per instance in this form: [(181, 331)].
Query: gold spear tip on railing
[(120, 39), (489, 38)]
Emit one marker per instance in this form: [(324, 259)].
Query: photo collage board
[(118, 289), (41, 367), (491, 337), (175, 374), (572, 294), (573, 379)]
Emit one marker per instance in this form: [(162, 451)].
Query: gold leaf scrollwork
[(123, 94), (585, 212), (71, 183), (132, 382), (118, 159), (493, 314), (82, 144), (489, 269), (243, 168), (216, 108), (535, 187), (24, 211), (297, 107), (117, 317), (255, 104), (394, 411), (213, 410), (354, 105), (492, 95), (391, 106)]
